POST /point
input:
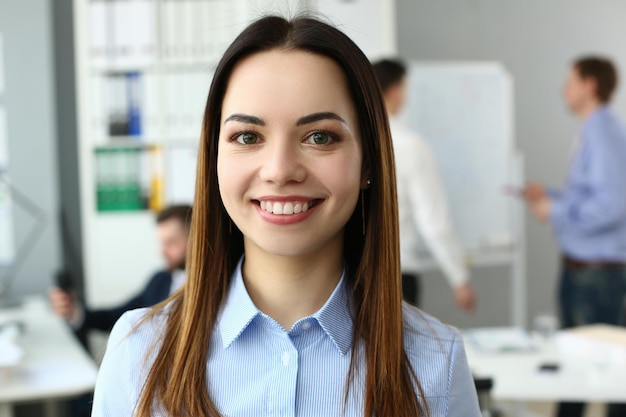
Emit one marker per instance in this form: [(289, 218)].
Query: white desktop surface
[(516, 375), (54, 365)]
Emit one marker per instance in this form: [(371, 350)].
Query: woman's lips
[(285, 211)]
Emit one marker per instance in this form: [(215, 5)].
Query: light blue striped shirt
[(256, 368), (589, 214)]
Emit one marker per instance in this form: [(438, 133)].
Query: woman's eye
[(247, 138), (320, 138)]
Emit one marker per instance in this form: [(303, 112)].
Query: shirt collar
[(600, 110), (238, 311), (335, 316)]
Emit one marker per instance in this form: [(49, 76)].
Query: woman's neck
[(289, 288)]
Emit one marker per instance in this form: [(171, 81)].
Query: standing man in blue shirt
[(588, 215)]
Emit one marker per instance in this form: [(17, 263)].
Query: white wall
[(26, 29), (536, 40), (369, 23)]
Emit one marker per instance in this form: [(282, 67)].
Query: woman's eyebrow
[(245, 118), (311, 118)]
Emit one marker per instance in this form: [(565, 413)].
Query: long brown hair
[(177, 380)]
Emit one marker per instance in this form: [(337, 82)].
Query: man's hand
[(541, 209), (63, 304), (533, 192), (538, 201), (464, 297)]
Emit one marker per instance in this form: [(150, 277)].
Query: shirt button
[(285, 358), (306, 325)]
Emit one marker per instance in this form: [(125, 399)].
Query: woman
[(292, 304)]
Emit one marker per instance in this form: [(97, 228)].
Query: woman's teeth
[(284, 208)]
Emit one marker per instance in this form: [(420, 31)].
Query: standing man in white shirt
[(422, 204)]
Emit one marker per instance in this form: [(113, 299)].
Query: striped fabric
[(257, 368)]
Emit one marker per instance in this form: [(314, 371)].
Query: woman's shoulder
[(437, 356), (422, 324), (127, 360), (429, 342), (434, 350)]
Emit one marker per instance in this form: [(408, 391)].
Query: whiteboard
[(465, 112)]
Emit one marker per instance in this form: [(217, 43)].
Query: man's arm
[(430, 211), (600, 200), (155, 291)]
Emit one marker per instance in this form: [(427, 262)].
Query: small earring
[(368, 182)]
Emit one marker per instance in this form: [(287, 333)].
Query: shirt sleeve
[(113, 388), (598, 201), (104, 319), (462, 396), (554, 193), (431, 214)]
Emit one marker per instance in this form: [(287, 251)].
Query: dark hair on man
[(603, 71), (389, 72), (181, 212)]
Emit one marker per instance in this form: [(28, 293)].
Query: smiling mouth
[(287, 207)]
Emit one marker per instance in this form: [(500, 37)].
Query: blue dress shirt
[(589, 214), (257, 368)]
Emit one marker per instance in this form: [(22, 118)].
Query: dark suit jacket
[(157, 290)]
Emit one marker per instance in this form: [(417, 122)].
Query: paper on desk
[(500, 339), (10, 354), (601, 342)]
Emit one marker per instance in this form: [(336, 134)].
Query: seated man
[(172, 230)]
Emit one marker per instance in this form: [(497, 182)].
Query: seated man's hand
[(64, 304)]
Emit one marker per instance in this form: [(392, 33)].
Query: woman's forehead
[(289, 81)]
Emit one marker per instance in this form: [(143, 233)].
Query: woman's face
[(289, 153)]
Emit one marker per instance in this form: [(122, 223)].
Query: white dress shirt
[(423, 208)]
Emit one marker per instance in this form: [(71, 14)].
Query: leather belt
[(577, 264)]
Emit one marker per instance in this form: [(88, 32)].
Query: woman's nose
[(282, 163)]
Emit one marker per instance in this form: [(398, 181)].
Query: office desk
[(54, 365), (517, 377)]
